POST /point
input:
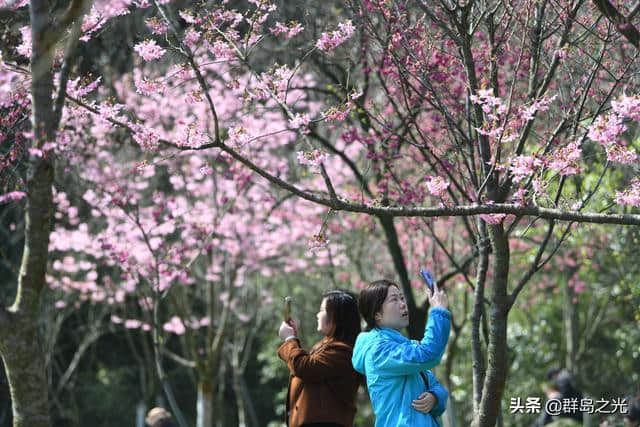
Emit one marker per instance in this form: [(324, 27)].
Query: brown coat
[(323, 383)]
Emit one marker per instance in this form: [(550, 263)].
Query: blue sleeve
[(411, 357), (440, 392)]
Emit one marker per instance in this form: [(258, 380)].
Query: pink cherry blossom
[(312, 158), (174, 326), (191, 38), (13, 4), (206, 170), (147, 138), (147, 87), (12, 196), (300, 120), (621, 154), (24, 48), (35, 152), (132, 324), (92, 22), (149, 50), (338, 113), (243, 317), (627, 106), (630, 196), (519, 196), (238, 136), (317, 242), (606, 129), (330, 41), (565, 160), (523, 166), (527, 113), (157, 26), (76, 89), (492, 133), (437, 185), (289, 31), (221, 50), (188, 17), (489, 103)]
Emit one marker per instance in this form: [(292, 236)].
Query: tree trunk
[(204, 406), (24, 366), (477, 350), (570, 314), (494, 381), (242, 413), (141, 410), (20, 347), (19, 341), (449, 416), (246, 410)]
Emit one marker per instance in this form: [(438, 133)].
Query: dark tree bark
[(20, 347), (496, 374), (620, 22)]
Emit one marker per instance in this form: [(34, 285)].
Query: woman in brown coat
[(322, 383)]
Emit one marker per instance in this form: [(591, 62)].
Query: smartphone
[(286, 312), (428, 278)]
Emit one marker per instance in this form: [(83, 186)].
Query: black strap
[(425, 379)]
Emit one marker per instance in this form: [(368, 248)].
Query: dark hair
[(343, 316), (371, 299), (552, 373), (561, 380)]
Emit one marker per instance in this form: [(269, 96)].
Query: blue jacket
[(392, 364)]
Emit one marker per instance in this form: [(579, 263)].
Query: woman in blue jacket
[(402, 390)]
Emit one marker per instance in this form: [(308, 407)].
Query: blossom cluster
[(630, 196), (312, 158), (331, 40), (149, 50), (606, 130), (288, 31), (437, 185)]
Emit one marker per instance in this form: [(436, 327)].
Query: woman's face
[(323, 318), (393, 313)]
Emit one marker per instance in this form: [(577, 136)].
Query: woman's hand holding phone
[(288, 328), (437, 297)]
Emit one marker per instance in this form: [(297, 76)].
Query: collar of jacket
[(391, 334), (321, 345)]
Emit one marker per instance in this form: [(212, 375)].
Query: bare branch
[(634, 12), (400, 211), (87, 341), (178, 359), (327, 181), (622, 24), (443, 25), (69, 59), (535, 266)]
